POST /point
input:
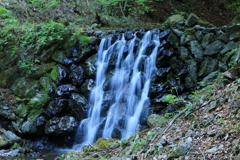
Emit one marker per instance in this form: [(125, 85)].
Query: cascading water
[(129, 87)]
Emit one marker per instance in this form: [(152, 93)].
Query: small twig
[(169, 125)]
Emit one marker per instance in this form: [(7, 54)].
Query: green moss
[(69, 43), (70, 153), (7, 77), (205, 66), (102, 143), (15, 145), (189, 31), (84, 40), (26, 88), (205, 40), (203, 23), (43, 69), (54, 73), (155, 120), (173, 38), (76, 158), (47, 84), (34, 113), (22, 110), (39, 100)]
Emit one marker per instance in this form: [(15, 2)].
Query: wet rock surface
[(61, 125)]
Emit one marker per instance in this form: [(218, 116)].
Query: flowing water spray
[(129, 88)]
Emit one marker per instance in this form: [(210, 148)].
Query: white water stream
[(129, 88)]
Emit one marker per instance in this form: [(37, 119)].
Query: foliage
[(169, 115), (22, 99), (6, 16), (28, 64), (39, 35), (206, 90), (123, 8), (43, 5), (235, 6), (80, 35), (26, 42), (171, 99), (4, 13)]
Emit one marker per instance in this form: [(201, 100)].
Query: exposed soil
[(213, 11)]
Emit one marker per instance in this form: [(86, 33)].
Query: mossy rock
[(180, 151), (58, 73), (42, 70), (54, 73), (30, 126), (15, 145), (156, 120), (208, 66), (192, 20), (173, 39), (189, 31), (26, 88), (204, 23), (174, 19), (90, 66), (207, 39), (39, 100), (22, 110), (61, 58), (71, 155), (102, 143), (7, 77), (187, 37), (6, 144), (48, 85)]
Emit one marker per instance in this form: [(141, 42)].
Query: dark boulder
[(129, 35), (61, 58), (76, 75), (65, 90), (61, 125), (78, 106), (87, 87), (58, 107), (59, 74)]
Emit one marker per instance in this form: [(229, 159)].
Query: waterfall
[(128, 88)]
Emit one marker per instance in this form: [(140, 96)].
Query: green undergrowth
[(235, 6), (34, 43)]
